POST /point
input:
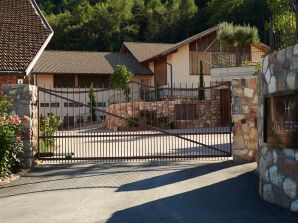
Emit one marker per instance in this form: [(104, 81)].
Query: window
[(55, 105), (102, 104), (72, 105), (64, 80), (99, 81), (44, 105), (99, 104)]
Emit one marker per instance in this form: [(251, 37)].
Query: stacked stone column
[(244, 114)]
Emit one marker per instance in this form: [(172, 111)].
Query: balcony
[(225, 66)]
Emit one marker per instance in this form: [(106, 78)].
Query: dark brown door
[(160, 71), (225, 107)]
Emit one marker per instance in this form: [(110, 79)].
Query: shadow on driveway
[(175, 177), (231, 201)]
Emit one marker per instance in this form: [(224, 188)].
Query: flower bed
[(11, 139)]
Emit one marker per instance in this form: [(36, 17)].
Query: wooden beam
[(207, 48)]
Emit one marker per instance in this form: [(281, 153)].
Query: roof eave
[(74, 73), (33, 62), (262, 46), (125, 46), (183, 43), (41, 15), (9, 72), (36, 57)]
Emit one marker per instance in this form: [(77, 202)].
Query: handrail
[(229, 62)]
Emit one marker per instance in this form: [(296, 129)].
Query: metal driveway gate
[(151, 123)]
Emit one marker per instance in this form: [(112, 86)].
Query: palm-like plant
[(237, 36)]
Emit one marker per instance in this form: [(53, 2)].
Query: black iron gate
[(148, 124)]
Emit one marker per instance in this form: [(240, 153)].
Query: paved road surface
[(150, 193)]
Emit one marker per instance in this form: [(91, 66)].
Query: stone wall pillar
[(244, 115), (24, 99), (278, 167)]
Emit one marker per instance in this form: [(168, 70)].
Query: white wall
[(108, 97), (151, 66), (229, 73), (180, 62), (45, 80)]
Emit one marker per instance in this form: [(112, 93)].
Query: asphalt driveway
[(190, 192)]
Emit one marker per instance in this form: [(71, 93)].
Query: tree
[(201, 84), (92, 98), (282, 21), (49, 125), (102, 25), (252, 12), (121, 79), (238, 37), (188, 10)]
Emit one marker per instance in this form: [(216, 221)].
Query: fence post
[(25, 103)]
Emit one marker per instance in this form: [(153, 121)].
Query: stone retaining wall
[(208, 113), (24, 98), (244, 110), (278, 168)]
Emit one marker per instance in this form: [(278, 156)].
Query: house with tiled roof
[(152, 63), (155, 64), (180, 63), (56, 69), (69, 70), (24, 34)]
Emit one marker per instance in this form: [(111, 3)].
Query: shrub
[(201, 84), (5, 104), (133, 122), (237, 36), (48, 127), (164, 121), (149, 116), (121, 79), (11, 144), (92, 98)]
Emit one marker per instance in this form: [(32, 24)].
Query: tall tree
[(201, 83), (188, 10), (253, 12), (283, 21)]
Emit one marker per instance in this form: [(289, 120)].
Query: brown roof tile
[(82, 62), (23, 31), (144, 51)]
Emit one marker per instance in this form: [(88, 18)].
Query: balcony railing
[(224, 59), (237, 59)]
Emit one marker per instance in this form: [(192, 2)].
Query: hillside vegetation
[(102, 25)]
